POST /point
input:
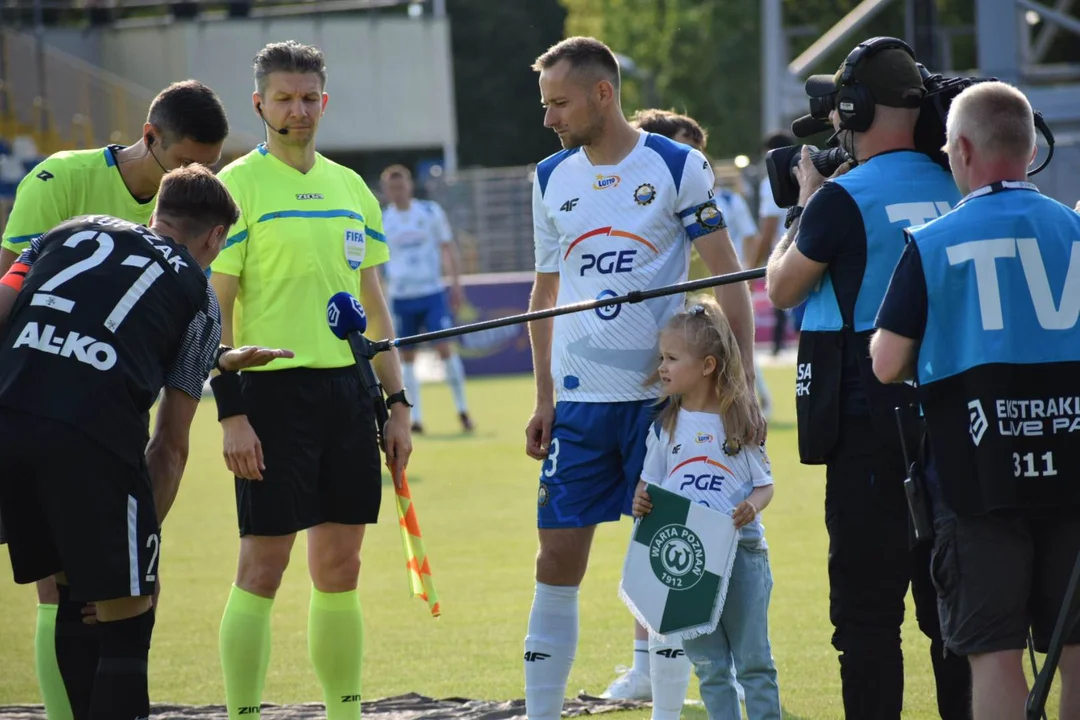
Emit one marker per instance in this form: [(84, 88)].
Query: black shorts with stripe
[(320, 449), (69, 505)]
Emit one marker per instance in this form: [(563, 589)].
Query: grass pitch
[(476, 499)]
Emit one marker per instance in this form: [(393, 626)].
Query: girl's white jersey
[(609, 230), (694, 464)]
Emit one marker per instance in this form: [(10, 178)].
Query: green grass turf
[(476, 499)]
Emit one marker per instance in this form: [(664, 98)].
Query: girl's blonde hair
[(707, 332)]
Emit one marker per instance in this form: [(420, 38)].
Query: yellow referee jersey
[(301, 238), (66, 185)]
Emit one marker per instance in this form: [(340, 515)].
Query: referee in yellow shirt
[(300, 436)]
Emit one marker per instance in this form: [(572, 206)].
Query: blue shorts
[(427, 313), (594, 462)]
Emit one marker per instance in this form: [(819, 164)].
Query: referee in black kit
[(98, 315)]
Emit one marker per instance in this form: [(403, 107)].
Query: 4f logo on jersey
[(569, 205), (45, 176), (82, 348), (603, 182)]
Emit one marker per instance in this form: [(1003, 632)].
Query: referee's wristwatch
[(398, 397), (793, 212), (222, 349)]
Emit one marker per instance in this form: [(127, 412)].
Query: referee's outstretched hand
[(251, 356)]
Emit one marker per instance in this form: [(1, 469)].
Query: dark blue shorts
[(594, 462), (421, 314)]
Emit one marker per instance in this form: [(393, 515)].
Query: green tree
[(497, 99), (704, 56)]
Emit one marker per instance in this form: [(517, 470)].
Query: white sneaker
[(630, 685)]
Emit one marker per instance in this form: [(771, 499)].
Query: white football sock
[(669, 670), (455, 375), (408, 376), (641, 656), (549, 649)]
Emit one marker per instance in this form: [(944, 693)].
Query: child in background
[(704, 423)]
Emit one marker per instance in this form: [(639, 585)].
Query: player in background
[(421, 247), (771, 215), (300, 438), (186, 123), (617, 210), (98, 315)]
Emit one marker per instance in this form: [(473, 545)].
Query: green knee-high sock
[(53, 692), (244, 642), (336, 644)]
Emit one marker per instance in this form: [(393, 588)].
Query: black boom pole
[(634, 296)]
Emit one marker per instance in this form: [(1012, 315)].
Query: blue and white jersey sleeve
[(758, 466), (443, 232), (545, 234), (654, 470), (694, 203)]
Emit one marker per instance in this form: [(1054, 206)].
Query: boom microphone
[(347, 320), (282, 131)]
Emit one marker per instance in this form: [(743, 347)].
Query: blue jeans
[(742, 638)]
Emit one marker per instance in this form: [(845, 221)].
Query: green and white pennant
[(678, 565)]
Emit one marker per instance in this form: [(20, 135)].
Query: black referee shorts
[(69, 504), (320, 448)]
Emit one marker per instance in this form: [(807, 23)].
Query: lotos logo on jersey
[(603, 182), (355, 248), (703, 437), (610, 261), (83, 348)]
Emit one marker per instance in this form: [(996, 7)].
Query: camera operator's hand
[(810, 179)]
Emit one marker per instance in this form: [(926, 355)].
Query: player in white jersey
[(421, 246), (616, 211), (694, 449)]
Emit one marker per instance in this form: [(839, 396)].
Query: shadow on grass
[(698, 712), (454, 437)]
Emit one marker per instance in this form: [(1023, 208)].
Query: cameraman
[(997, 352), (838, 254)]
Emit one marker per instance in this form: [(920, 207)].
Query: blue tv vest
[(999, 363), (893, 191)]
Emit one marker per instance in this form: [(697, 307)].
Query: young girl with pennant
[(697, 571)]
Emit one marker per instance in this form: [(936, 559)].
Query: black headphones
[(854, 101)]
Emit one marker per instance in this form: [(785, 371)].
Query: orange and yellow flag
[(421, 583)]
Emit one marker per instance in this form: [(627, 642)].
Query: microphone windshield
[(344, 315), (808, 125)]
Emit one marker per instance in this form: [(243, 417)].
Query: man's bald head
[(588, 58), (990, 135), (996, 118)]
